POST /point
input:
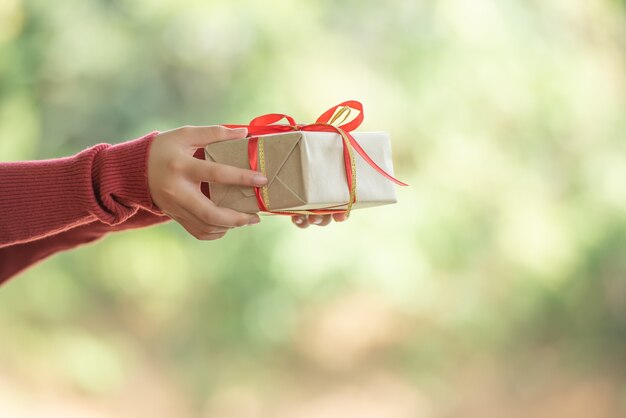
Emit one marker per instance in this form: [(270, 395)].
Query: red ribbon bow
[(267, 124)]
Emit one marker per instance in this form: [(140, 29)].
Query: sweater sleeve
[(100, 189), (18, 257)]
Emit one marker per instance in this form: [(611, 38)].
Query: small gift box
[(316, 168)]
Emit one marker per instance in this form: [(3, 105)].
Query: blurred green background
[(496, 287)]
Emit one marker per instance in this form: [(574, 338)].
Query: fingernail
[(298, 220), (254, 221), (259, 180)]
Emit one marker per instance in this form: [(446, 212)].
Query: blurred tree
[(497, 280)]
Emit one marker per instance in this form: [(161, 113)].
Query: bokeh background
[(496, 287)]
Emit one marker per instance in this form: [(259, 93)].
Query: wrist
[(121, 171)]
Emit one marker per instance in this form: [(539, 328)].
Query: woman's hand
[(303, 221), (174, 178)]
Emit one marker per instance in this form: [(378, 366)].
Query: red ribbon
[(253, 156), (267, 124)]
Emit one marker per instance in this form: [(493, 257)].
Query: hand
[(174, 178), (303, 221)]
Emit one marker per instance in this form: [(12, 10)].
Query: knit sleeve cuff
[(121, 173)]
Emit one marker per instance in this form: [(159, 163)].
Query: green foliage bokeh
[(507, 118)]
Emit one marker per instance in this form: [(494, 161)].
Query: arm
[(15, 258), (105, 183), (53, 205)]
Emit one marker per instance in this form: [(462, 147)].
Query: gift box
[(317, 168)]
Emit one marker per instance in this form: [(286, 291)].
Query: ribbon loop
[(329, 115), (272, 118)]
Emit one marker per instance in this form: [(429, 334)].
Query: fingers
[(304, 221), (339, 217), (230, 218), (322, 220), (208, 171), (199, 136), (198, 230), (301, 221), (202, 235), (188, 218), (209, 213)]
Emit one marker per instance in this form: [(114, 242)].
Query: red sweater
[(52, 205)]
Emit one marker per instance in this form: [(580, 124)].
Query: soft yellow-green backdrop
[(496, 287)]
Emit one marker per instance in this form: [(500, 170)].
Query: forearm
[(15, 258), (104, 184)]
